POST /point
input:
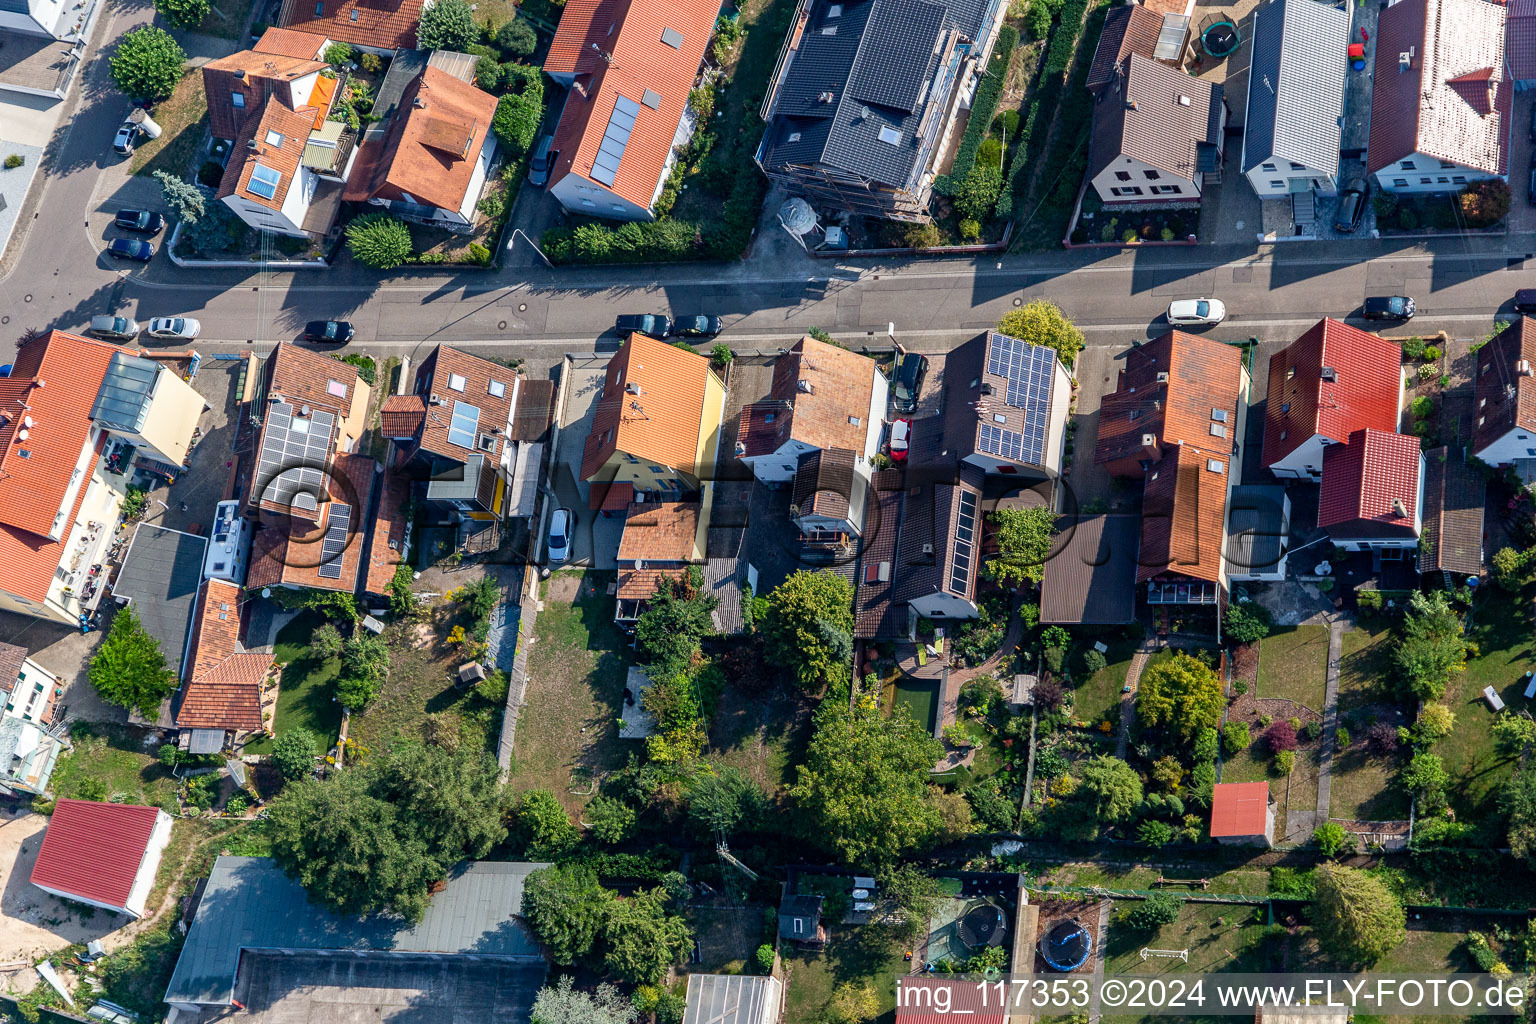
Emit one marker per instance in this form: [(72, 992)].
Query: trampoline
[(1219, 37), (1066, 946), (980, 926)]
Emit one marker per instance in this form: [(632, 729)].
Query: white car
[(174, 328), (1194, 312), (560, 526)]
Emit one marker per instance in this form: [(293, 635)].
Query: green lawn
[(183, 118), (1293, 663), (112, 762), (421, 688), (868, 955), (1219, 937), (305, 699), (1361, 786), (1099, 694)]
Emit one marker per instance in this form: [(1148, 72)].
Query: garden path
[(1330, 717), (1148, 647)]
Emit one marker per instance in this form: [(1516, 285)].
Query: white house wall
[(1420, 173), (1107, 180), (1306, 460), (1517, 443), (585, 196), (1272, 179)]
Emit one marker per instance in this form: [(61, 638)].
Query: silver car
[(174, 328), (561, 525), (113, 328)]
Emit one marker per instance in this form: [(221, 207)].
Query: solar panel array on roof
[(605, 166), (335, 541), (264, 181), (1006, 444), (965, 536), (293, 456), (124, 398), (1030, 370), (461, 429)]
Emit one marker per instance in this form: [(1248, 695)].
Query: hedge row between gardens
[(983, 107), (1014, 179), (1058, 57), (1066, 164)]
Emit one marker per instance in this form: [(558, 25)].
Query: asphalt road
[(58, 277)]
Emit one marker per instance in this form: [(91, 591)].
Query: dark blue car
[(131, 249)]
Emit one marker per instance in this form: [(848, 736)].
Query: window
[(1298, 167), (1425, 181), (587, 202), (319, 8), (1277, 184), (237, 99), (1446, 165), (1408, 165), (456, 382), (1267, 167), (890, 135), (264, 181), (1290, 371), (1218, 430), (853, 421), (657, 470), (354, 15), (497, 389), (1150, 175), (1399, 182), (1443, 180), (275, 139), (1122, 175), (1459, 179), (1215, 466), (1285, 406), (1166, 190), (336, 388), (1130, 190)]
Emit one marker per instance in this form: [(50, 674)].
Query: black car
[(696, 327), (908, 382), (332, 332), (1525, 300), (131, 249), (1351, 206), (141, 221), (1532, 194), (1389, 307), (654, 325)]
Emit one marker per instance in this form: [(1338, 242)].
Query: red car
[(901, 439)]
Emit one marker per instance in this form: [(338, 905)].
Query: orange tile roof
[(410, 161), (665, 430), (289, 43), (275, 116), (223, 689), (255, 75), (54, 382), (436, 376), (1239, 809), (1183, 513), (303, 376), (611, 497), (216, 628), (206, 704), (402, 415), (383, 24), (837, 384), (660, 532), (388, 530), (292, 555), (640, 584), (641, 64), (1198, 375)]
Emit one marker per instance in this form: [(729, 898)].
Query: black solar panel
[(335, 541), (965, 537), (294, 448), (1029, 370)]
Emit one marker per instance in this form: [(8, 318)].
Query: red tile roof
[(382, 24), (57, 379), (1368, 381), (216, 629), (1202, 376), (967, 1001), (402, 415), (1363, 482), (816, 388), (292, 556), (632, 35), (1239, 809), (1520, 40), (410, 161), (388, 532), (289, 43), (1183, 511), (672, 384), (660, 532), (1441, 106), (255, 76), (611, 497), (1506, 393), (223, 689), (94, 850), (437, 375), (276, 117)]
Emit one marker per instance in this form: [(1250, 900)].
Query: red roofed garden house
[(1372, 495), (1325, 385), (629, 66), (1242, 813), (221, 699), (101, 854)]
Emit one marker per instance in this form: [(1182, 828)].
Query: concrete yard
[(344, 988)]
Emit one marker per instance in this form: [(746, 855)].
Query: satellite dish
[(266, 591), (798, 217)]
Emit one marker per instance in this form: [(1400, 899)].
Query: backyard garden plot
[(115, 763), (762, 722), (1220, 937), (869, 955), (1361, 787), (306, 697), (1293, 665), (1097, 698)]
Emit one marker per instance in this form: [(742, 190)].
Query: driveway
[(596, 541)]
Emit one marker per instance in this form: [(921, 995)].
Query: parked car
[(141, 221), (127, 135), (1351, 205), (1389, 307), (696, 327), (1525, 300), (561, 525), (115, 328), (131, 249), (654, 325), (331, 332), (901, 439), (908, 383), (174, 328), (543, 159), (1196, 312), (1531, 195)]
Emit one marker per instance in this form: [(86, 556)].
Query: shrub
[(970, 230), (1310, 731), (147, 64), (1154, 833), (183, 14), (516, 38), (1093, 661), (1156, 910), (1206, 742), (764, 958), (447, 25), (721, 356), (379, 241), (1332, 839), (1413, 348), (1484, 202), (1235, 738), (1341, 737), (1432, 353), (516, 122), (479, 254), (921, 236), (337, 53), (1246, 623), (983, 106), (370, 63), (1284, 763), (1381, 739), (14, 161), (1421, 407), (1280, 737)]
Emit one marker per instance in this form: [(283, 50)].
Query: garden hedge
[(983, 107)]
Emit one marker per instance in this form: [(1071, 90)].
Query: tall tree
[(183, 14), (560, 1003), (721, 800), (1024, 538), (809, 615), (642, 939), (566, 908), (294, 751), (128, 669), (378, 240), (447, 25), (912, 893), (147, 64), (1109, 787), (1358, 919), (863, 788), (455, 800), (668, 632), (1181, 693), (1431, 648), (1042, 322)]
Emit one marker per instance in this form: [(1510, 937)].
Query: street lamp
[(520, 231)]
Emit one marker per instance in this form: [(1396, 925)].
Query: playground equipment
[(1066, 946), (1219, 37), (1170, 954), (982, 924)]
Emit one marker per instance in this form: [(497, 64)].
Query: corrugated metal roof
[(1296, 84), (160, 575), (1255, 528), (732, 999), (250, 904), (93, 850)]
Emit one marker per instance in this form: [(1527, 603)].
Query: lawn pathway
[(1144, 651), (1330, 719), (1099, 955)]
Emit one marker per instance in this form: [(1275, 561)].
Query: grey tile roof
[(1296, 84), (732, 999), (1092, 576), (875, 63), (159, 577), (1255, 528), (1454, 495), (1160, 129), (250, 904)]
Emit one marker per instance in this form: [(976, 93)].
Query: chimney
[(240, 74), (1149, 440), (1183, 101), (1399, 509), (1328, 373), (805, 387), (1523, 367), (419, 103), (1405, 60)]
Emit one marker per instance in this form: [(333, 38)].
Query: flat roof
[(1256, 528), (250, 904), (1091, 579), (732, 999), (159, 577)]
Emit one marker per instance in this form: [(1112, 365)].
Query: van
[(543, 160)]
